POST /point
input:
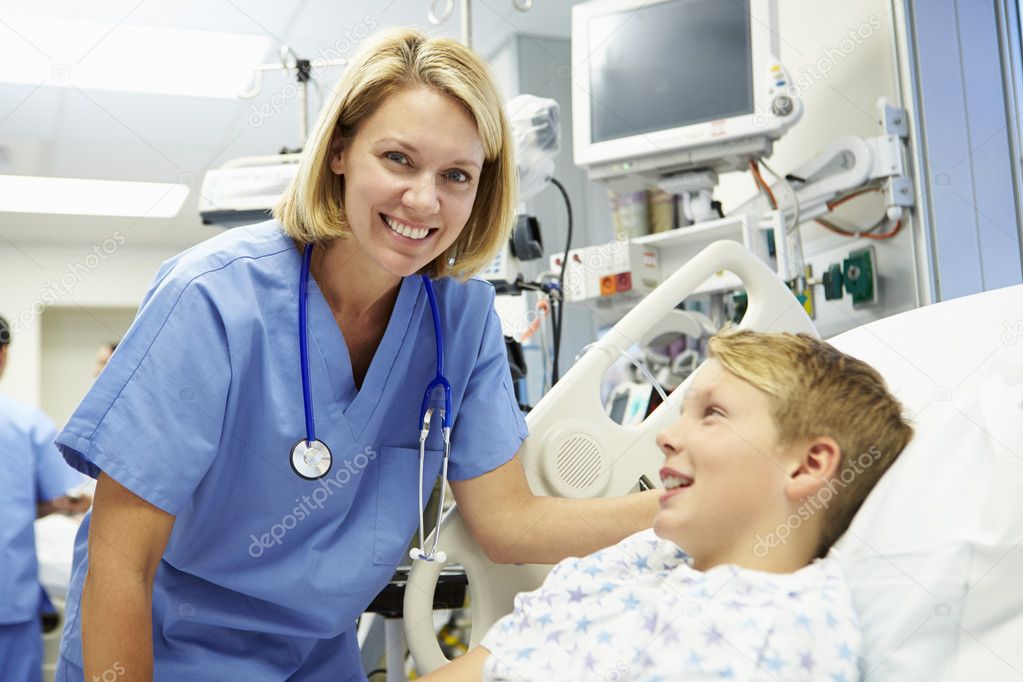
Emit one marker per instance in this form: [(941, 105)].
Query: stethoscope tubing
[(438, 381), (303, 344)]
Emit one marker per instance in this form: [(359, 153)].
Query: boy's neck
[(796, 553)]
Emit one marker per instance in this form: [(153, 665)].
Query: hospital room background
[(882, 177)]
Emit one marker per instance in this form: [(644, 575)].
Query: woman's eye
[(713, 411), (397, 157), (457, 176)]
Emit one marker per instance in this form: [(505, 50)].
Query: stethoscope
[(311, 458)]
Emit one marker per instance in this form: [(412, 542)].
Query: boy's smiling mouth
[(675, 479)]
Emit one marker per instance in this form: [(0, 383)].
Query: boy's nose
[(670, 440)]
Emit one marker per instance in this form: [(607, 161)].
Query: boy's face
[(726, 443)]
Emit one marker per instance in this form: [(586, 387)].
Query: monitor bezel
[(764, 52)]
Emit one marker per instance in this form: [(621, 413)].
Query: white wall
[(37, 277), (71, 338)]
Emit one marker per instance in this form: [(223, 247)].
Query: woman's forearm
[(117, 626), (549, 529)]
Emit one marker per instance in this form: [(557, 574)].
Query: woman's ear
[(818, 460), (337, 157)]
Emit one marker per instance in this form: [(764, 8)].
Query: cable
[(557, 312), (870, 232), (763, 186), (852, 195), (866, 234), (795, 199), (641, 366)]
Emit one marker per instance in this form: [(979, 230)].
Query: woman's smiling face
[(411, 172)]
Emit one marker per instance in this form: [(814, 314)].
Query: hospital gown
[(638, 611)]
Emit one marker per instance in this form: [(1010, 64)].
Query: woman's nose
[(421, 197)]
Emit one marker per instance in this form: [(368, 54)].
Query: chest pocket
[(397, 517)]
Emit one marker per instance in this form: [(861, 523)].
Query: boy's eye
[(712, 411)]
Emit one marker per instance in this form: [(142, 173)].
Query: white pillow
[(935, 556)]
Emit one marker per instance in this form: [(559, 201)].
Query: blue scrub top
[(31, 471), (197, 413)]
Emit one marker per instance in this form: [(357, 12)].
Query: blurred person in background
[(34, 482)]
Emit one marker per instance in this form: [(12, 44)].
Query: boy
[(780, 439)]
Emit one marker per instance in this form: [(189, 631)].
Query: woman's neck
[(353, 286)]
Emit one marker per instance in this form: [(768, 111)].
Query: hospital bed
[(935, 556)]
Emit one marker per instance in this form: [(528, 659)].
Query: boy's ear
[(818, 460)]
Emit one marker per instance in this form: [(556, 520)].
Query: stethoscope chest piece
[(310, 459)]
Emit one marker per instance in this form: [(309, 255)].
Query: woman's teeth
[(406, 231)]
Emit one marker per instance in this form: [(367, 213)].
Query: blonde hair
[(311, 209), (820, 391)]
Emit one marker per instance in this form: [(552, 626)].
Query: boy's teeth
[(671, 482), (405, 230)]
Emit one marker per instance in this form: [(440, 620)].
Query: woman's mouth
[(409, 232)]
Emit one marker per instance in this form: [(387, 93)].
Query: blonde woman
[(225, 541)]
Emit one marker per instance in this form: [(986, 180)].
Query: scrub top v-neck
[(356, 404), (265, 573)]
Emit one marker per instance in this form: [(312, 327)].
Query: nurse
[(34, 482), (208, 556)]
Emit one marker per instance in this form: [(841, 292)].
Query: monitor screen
[(618, 404), (669, 65)]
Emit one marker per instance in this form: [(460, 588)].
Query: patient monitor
[(672, 92)]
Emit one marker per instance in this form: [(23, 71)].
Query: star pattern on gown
[(772, 663), (589, 616)]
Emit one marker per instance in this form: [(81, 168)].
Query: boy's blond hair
[(311, 209), (820, 391)]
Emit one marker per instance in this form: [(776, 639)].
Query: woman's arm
[(127, 538), (466, 668), (512, 525)]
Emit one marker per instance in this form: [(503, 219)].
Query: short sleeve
[(53, 476), (154, 418), (489, 426)]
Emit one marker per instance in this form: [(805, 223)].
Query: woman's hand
[(466, 668)]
